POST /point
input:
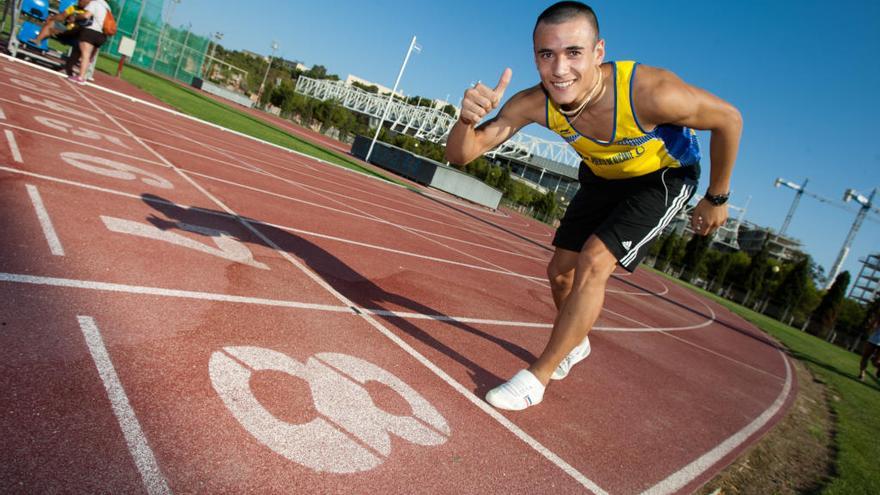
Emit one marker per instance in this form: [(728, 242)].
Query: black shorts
[(627, 215), (79, 33)]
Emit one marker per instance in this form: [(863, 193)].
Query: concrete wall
[(427, 172), (395, 159), (226, 94), (465, 186)]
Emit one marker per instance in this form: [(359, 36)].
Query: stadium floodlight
[(162, 31), (262, 84), (217, 36), (794, 203), (412, 46), (182, 53)]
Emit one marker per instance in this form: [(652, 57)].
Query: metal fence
[(174, 52)]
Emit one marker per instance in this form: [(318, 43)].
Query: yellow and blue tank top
[(632, 151)]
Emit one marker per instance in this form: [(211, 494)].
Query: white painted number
[(348, 419), (58, 107), (227, 247), (66, 127), (37, 87), (36, 79), (110, 168)]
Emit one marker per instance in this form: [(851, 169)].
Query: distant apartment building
[(293, 65), (382, 89), (752, 237), (725, 238), (867, 284)]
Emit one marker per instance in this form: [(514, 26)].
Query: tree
[(823, 318), (793, 285), (667, 251), (695, 253), (757, 272), (545, 204), (281, 93), (849, 318), (317, 72), (503, 182), (719, 270)]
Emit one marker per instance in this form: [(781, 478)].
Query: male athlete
[(632, 125)]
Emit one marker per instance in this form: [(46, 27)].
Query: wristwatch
[(717, 199)]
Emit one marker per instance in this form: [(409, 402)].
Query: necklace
[(595, 93)]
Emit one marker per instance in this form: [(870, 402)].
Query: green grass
[(192, 103), (856, 404)]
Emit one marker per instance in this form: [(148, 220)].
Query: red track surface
[(185, 309)]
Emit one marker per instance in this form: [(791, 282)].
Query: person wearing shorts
[(59, 24), (633, 126), (869, 353), (85, 38)]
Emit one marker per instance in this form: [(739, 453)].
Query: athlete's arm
[(468, 141), (663, 98)]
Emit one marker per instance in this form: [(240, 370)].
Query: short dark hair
[(560, 12)]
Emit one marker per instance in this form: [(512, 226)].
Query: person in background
[(869, 352), (61, 25)]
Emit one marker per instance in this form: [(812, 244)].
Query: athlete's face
[(566, 55)]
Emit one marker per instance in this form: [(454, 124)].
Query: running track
[(188, 310)]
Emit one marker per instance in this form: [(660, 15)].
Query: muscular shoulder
[(660, 96), (529, 105)]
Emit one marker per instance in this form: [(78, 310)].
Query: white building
[(382, 89)]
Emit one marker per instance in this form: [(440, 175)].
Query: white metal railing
[(427, 123)]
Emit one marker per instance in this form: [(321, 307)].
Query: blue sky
[(804, 74)]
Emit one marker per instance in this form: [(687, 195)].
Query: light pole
[(182, 50), (137, 22), (217, 36), (797, 198), (412, 46), (262, 84), (162, 32)]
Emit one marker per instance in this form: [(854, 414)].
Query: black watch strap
[(717, 199)]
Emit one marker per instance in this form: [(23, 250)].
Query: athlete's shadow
[(351, 284)]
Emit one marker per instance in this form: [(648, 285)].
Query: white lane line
[(102, 149), (455, 319), (45, 222), (282, 227), (720, 355), (281, 303), (483, 230), (466, 393), (13, 146), (404, 253), (368, 217), (685, 475), (140, 450), (2, 115), (158, 291), (203, 122)]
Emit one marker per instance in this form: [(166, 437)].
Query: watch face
[(717, 200)]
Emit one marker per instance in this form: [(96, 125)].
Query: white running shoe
[(576, 355), (518, 393)]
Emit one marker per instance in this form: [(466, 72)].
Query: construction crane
[(866, 206), (801, 189)]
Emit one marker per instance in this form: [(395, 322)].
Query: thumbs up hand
[(480, 100)]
